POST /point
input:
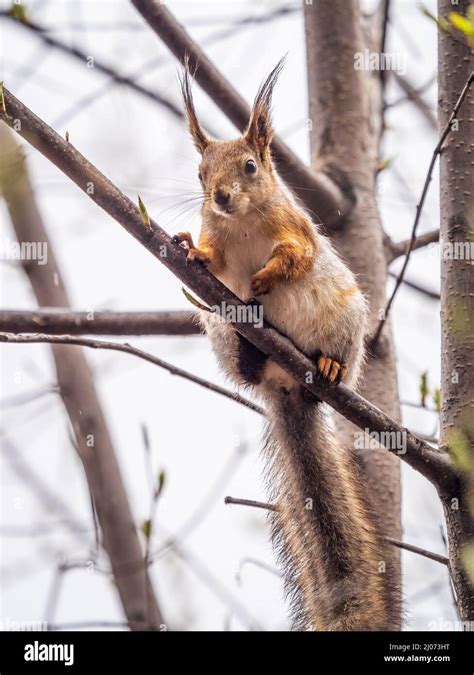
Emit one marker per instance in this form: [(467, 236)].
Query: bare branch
[(128, 349), (436, 466), (419, 208), (416, 287), (414, 95), (98, 65), (145, 68), (319, 192), (60, 321), (396, 249), (395, 542), (437, 557), (250, 502)]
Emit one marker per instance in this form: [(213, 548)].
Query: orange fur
[(347, 293), (213, 253)]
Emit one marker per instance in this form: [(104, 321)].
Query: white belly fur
[(303, 309)]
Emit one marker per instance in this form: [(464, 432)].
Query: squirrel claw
[(183, 239), (199, 256), (332, 370)]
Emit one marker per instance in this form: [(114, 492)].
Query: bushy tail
[(337, 568)]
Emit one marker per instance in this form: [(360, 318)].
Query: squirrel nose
[(221, 196)]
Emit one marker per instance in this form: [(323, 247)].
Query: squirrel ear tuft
[(259, 132), (201, 141)]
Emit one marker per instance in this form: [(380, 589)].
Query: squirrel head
[(236, 176)]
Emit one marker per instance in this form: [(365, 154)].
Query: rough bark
[(345, 139), (76, 384), (455, 63)]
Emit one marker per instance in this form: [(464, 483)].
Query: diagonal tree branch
[(434, 465), (320, 192), (76, 384), (59, 321), (128, 349)]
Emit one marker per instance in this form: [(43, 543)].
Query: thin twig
[(395, 542), (436, 152), (203, 21), (96, 65), (250, 502), (437, 557), (146, 356), (399, 248), (146, 68), (416, 287), (128, 349), (414, 95)]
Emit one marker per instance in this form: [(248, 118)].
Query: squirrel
[(260, 243)]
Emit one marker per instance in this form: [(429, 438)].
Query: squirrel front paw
[(185, 240), (200, 256), (332, 370), (262, 282)]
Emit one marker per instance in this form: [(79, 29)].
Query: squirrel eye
[(200, 176), (250, 166)]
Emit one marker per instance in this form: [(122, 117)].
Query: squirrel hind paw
[(331, 369)]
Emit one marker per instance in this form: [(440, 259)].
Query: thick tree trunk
[(75, 380), (344, 140), (456, 63)]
